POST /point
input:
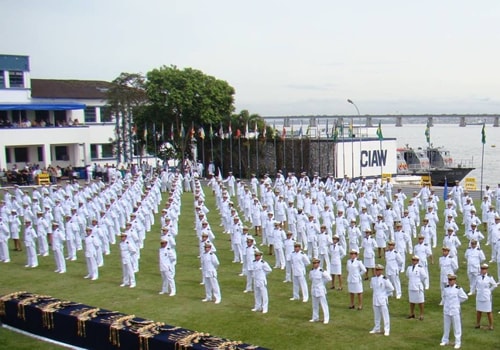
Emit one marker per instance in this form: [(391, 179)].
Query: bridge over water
[(371, 120)]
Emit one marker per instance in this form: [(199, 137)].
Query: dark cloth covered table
[(93, 328)]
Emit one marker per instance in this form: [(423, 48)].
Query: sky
[(284, 58)]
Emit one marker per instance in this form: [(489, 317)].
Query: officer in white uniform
[(209, 265), (58, 238), (127, 251), (382, 288), (453, 296), (167, 259), (417, 277), (299, 260), (318, 279), (260, 270)]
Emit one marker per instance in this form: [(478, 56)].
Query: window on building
[(61, 153), (90, 114), (7, 155), (4, 119), (107, 150), (93, 151), (60, 118), (2, 80), (106, 114), (16, 79), (39, 151), (21, 154), (42, 118)]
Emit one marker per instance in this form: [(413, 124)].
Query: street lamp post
[(360, 140)]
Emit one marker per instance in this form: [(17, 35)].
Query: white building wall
[(366, 158)]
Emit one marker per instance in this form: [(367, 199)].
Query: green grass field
[(286, 325)]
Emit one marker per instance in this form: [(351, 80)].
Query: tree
[(188, 99), (126, 94)]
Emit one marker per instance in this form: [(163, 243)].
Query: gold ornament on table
[(8, 297), (82, 316), (114, 329)]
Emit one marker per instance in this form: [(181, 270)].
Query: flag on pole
[(351, 129), (230, 130), (145, 132), (379, 132), (283, 133), (335, 132), (211, 132), (342, 129), (483, 134), (264, 133), (182, 132), (202, 133), (291, 132), (428, 132), (300, 130), (191, 131), (445, 191), (221, 131), (246, 136), (256, 131), (162, 132), (308, 131), (172, 131), (326, 130), (238, 133), (274, 131)]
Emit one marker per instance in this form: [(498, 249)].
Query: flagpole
[(343, 146), (221, 135), (211, 144), (380, 138), (360, 137), (318, 132), (301, 148), (284, 147), (257, 148), (483, 141), (239, 155), (327, 149), (154, 140), (230, 147), (203, 151), (248, 156), (293, 152), (275, 155)]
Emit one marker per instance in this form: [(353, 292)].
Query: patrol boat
[(435, 162)]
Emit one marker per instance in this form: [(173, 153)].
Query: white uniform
[(318, 279), (261, 269), (299, 260), (382, 288), (453, 296), (167, 260)]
